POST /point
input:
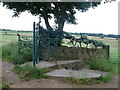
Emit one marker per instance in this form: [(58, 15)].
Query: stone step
[(54, 64), (59, 73), (69, 68)]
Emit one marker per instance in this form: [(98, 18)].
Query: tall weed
[(10, 53), (100, 63)]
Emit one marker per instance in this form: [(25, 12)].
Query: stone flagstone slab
[(84, 73), (59, 73), (44, 64), (66, 61)]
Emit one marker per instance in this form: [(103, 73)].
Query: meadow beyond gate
[(44, 47)]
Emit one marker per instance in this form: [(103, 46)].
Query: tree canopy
[(61, 11)]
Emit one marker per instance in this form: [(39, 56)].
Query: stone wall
[(75, 53), (68, 53), (81, 54)]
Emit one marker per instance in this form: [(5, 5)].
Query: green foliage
[(4, 84), (87, 81), (103, 79), (45, 70), (10, 53), (100, 42), (99, 62), (5, 33), (84, 37), (106, 78), (28, 72), (75, 80), (102, 36), (26, 54)]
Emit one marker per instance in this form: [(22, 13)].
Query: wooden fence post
[(107, 51)]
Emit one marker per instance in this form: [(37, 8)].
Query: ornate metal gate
[(44, 47)]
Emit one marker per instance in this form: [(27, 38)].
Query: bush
[(10, 53), (84, 37), (26, 54), (5, 33), (106, 78), (100, 63), (102, 36)]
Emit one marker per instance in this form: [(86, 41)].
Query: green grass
[(10, 38), (28, 72), (5, 39), (88, 81), (112, 42), (100, 63), (106, 78), (4, 84), (10, 53), (9, 49), (78, 81)]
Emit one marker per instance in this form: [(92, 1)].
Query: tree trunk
[(60, 28), (44, 14), (47, 23)]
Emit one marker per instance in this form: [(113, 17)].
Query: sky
[(102, 19)]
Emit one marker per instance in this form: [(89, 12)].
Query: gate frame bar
[(33, 53)]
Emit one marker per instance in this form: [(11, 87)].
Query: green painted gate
[(44, 47)]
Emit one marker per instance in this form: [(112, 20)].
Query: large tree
[(61, 11)]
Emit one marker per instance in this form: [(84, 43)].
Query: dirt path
[(112, 84), (14, 81)]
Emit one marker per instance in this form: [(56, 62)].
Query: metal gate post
[(18, 44), (33, 53)]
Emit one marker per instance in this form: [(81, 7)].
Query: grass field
[(109, 41), (7, 39), (14, 32), (11, 36), (112, 42)]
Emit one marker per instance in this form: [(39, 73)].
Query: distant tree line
[(89, 34), (14, 30), (97, 34)]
